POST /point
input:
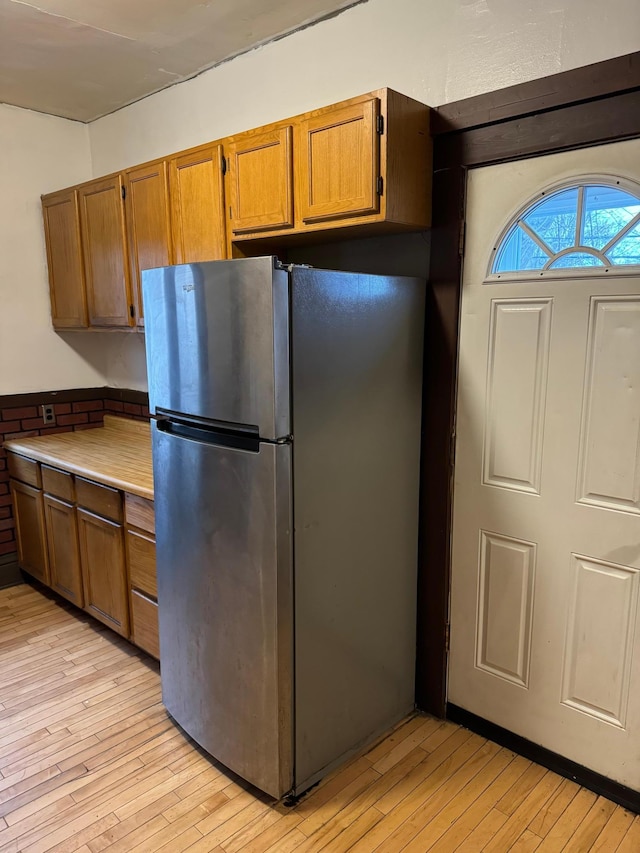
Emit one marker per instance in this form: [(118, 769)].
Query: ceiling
[(82, 59)]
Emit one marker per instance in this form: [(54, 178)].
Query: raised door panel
[(337, 163), (197, 206), (30, 530), (144, 623), (64, 554), (141, 557), (106, 263), (103, 570), (148, 223), (67, 291), (260, 181)]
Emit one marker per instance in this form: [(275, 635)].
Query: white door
[(545, 639)]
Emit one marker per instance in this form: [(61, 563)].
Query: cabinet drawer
[(141, 555), (144, 623), (58, 483), (139, 512), (25, 470), (102, 500)]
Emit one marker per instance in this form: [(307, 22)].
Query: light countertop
[(117, 455)]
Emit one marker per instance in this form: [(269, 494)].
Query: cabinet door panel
[(62, 545), (64, 260), (106, 263), (197, 206), (260, 180), (30, 530), (103, 570), (149, 225), (338, 163), (141, 556), (144, 624)]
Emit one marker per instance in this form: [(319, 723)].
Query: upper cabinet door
[(197, 205), (148, 223), (260, 181), (64, 258), (337, 163), (106, 264)]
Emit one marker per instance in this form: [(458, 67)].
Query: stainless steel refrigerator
[(286, 444)]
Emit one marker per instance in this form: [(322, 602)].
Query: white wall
[(38, 153), (433, 50)]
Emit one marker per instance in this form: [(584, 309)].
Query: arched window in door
[(591, 226)]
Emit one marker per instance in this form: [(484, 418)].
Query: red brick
[(4, 476), (114, 406), (64, 420), (133, 408), (7, 524), (96, 417), (10, 426), (5, 511), (88, 406), (19, 413), (5, 500), (33, 423), (78, 427), (7, 547), (3, 464), (55, 430), (7, 536), (29, 434), (4, 488), (62, 409)]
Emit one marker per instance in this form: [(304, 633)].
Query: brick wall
[(21, 417)]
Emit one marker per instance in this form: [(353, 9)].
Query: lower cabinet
[(104, 570), (62, 545), (90, 543), (30, 530)]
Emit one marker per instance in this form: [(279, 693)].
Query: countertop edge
[(16, 446)]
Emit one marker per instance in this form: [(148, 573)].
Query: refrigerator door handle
[(209, 436)]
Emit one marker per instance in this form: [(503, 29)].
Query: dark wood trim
[(621, 794), (574, 126), (10, 574), (74, 395), (580, 84), (575, 109)]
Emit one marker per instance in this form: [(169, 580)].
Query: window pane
[(627, 250), (576, 259), (554, 219), (519, 252), (606, 211)]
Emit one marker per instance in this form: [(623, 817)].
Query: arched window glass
[(589, 226)]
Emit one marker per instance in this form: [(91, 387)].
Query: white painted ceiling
[(82, 59)]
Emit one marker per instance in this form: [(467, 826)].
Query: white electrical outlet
[(48, 415)]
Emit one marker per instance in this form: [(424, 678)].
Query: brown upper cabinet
[(148, 224), (260, 180), (361, 167), (106, 263), (197, 205), (338, 163), (64, 258)]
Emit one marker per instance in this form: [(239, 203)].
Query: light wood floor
[(89, 762)]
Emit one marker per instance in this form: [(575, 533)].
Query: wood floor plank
[(90, 761)]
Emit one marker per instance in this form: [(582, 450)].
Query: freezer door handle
[(209, 436)]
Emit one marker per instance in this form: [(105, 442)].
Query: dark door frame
[(587, 106)]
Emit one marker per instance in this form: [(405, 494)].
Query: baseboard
[(625, 797), (10, 574)]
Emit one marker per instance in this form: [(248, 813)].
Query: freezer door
[(217, 340), (223, 522)]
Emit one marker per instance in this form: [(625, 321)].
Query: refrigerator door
[(224, 558), (217, 340)]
